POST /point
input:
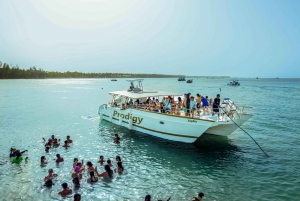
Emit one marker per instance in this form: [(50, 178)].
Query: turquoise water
[(230, 168)]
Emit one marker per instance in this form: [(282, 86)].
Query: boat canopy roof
[(133, 80), (143, 94)]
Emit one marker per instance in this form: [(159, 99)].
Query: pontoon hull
[(227, 127), (175, 128)]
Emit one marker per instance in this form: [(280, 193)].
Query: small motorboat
[(189, 81), (114, 80), (234, 83), (181, 79)]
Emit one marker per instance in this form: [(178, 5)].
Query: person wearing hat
[(198, 197), (216, 105), (66, 190)]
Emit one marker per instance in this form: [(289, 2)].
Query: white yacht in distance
[(177, 127)]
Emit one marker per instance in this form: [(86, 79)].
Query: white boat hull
[(175, 128), (227, 127)]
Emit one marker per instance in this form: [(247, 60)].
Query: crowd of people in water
[(78, 168), (190, 105)]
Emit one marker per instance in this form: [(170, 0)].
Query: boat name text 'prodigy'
[(128, 116)]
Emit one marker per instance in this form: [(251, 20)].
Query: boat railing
[(103, 106), (228, 110)]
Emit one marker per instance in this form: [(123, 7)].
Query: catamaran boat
[(178, 127)]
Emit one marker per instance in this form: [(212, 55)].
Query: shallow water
[(222, 167)]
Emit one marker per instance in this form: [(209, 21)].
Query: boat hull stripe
[(165, 133)]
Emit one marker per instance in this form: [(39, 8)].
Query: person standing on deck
[(193, 105), (198, 100), (204, 104), (216, 105), (188, 107)]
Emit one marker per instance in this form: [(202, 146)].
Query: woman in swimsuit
[(118, 159), (90, 167), (77, 173), (120, 168), (92, 178), (173, 106)]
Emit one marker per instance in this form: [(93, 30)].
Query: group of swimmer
[(79, 168), (196, 198), (192, 106)]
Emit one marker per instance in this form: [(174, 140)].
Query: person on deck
[(198, 100), (204, 104), (216, 105), (187, 105), (193, 106)]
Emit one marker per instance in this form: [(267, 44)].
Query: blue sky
[(258, 38)]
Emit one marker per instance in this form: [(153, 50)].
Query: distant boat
[(114, 80), (181, 79), (189, 81), (234, 83), (256, 77)]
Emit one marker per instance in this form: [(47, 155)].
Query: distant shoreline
[(7, 72)]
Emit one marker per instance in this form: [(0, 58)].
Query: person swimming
[(77, 197), (148, 197), (101, 160), (49, 183), (120, 167), (69, 139), (117, 139), (66, 144), (92, 178), (18, 158), (43, 161), (109, 162), (14, 151), (107, 174), (51, 174), (76, 182), (118, 159), (59, 158), (198, 197), (77, 173), (80, 166), (66, 190), (90, 166)]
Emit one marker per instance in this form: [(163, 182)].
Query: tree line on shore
[(14, 72)]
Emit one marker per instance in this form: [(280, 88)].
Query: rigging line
[(245, 132)]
